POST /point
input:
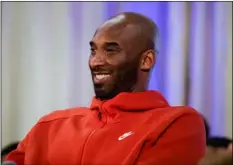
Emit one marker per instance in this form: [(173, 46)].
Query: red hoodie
[(132, 128)]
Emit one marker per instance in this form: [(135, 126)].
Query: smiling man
[(125, 123)]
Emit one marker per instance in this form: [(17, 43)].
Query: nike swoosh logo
[(125, 135)]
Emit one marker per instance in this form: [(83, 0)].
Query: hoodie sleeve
[(182, 143)]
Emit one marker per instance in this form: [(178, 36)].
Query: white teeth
[(101, 76)]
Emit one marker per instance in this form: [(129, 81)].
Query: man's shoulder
[(174, 112), (64, 114), (181, 110), (175, 118)]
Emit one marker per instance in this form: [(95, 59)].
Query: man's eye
[(92, 51), (110, 50)]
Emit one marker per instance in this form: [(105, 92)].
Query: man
[(217, 145), (125, 124), (218, 155)]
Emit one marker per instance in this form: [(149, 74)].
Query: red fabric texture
[(132, 128)]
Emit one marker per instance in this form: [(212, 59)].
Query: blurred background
[(45, 52)]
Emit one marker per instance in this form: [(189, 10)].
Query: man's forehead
[(107, 33), (121, 34)]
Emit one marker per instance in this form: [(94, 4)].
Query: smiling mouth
[(101, 77)]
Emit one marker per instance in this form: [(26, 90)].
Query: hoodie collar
[(133, 101)]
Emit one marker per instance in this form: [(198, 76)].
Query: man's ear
[(148, 60)]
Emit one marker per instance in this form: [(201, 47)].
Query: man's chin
[(103, 94)]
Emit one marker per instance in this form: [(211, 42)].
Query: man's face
[(112, 62)]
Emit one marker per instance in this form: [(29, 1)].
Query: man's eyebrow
[(106, 44), (111, 44)]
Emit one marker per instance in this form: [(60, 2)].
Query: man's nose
[(97, 60)]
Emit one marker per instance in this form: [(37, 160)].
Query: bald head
[(122, 54), (143, 28)]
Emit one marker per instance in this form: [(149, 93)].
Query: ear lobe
[(148, 60)]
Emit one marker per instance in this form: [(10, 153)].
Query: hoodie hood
[(132, 101)]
